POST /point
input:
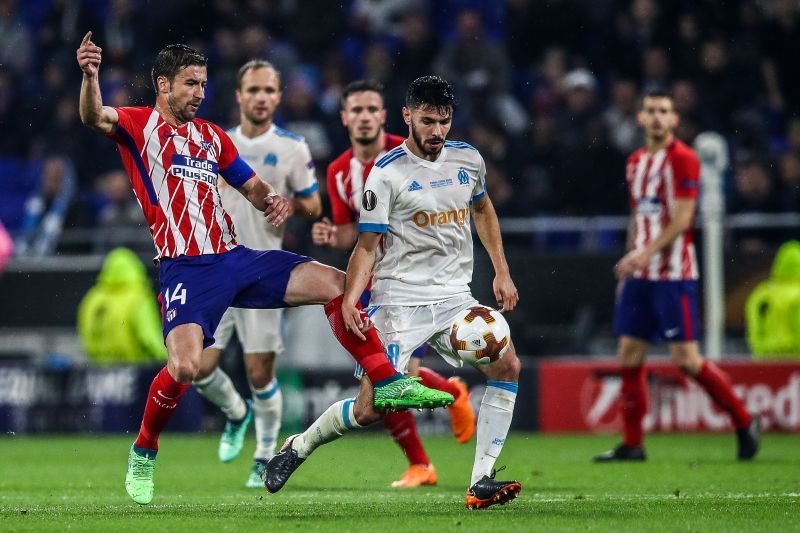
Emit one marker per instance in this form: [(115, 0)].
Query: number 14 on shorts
[(178, 293)]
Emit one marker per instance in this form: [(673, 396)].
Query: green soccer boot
[(232, 440), (139, 479), (409, 393)]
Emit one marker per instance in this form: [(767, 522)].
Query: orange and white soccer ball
[(480, 335)]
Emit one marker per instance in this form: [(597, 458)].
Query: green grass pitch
[(690, 483)]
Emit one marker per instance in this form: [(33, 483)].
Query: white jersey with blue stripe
[(422, 208), (283, 160)]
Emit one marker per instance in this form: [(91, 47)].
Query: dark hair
[(658, 92), (172, 58), (254, 64), (431, 91), (361, 86)]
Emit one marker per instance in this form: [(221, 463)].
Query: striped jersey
[(655, 182), (422, 208), (279, 158), (173, 171), (346, 176)]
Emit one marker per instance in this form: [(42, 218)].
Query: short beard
[(418, 140), (181, 114)]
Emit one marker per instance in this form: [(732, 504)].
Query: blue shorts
[(657, 310), (198, 289)]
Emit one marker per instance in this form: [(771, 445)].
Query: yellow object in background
[(772, 311), (118, 320)]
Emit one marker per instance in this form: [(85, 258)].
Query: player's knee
[(335, 287), (513, 369), (185, 371), (260, 373)]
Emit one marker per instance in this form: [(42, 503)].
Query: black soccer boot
[(488, 491), (622, 452), (748, 439), (278, 469)]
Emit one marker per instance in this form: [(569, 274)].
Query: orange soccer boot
[(462, 417), (417, 476)]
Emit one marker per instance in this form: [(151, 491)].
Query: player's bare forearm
[(256, 190), (488, 227), (359, 268), (307, 207), (346, 236), (90, 106), (263, 197), (630, 235)]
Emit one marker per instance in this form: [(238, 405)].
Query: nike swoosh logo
[(671, 332), (164, 395)]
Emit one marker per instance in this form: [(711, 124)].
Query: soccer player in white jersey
[(284, 161), (417, 209)]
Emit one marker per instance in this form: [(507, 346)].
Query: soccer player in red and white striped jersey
[(173, 160), (364, 115), (657, 299)]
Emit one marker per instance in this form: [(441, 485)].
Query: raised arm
[(93, 113), (488, 227)]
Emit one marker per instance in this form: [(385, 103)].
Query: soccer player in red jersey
[(364, 115), (173, 160), (657, 299)]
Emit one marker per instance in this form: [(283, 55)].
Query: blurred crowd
[(548, 92)]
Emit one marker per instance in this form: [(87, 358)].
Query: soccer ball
[(479, 335)]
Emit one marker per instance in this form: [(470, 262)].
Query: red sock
[(163, 398), (369, 354), (634, 404), (433, 380), (403, 429), (718, 386)]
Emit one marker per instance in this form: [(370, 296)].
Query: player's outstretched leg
[(403, 428), (337, 420), (634, 398), (392, 390), (267, 407), (219, 390), (462, 416), (409, 393), (162, 399)]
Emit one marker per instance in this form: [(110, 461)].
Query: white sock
[(267, 406), (494, 419), (218, 389), (337, 420)]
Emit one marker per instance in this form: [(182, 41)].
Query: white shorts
[(402, 329), (259, 330)]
